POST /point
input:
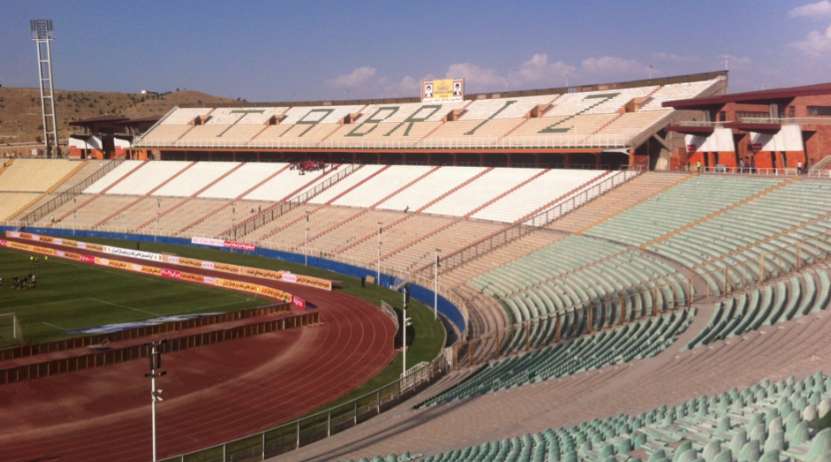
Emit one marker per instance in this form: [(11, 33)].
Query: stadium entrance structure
[(106, 137), (779, 128), (603, 125)]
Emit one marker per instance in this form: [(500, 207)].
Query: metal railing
[(66, 196), (553, 141), (281, 208), (785, 120), (754, 171), (528, 224)]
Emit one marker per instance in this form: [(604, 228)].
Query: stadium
[(632, 270)]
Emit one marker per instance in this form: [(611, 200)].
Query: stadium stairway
[(127, 207)]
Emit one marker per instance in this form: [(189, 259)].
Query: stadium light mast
[(156, 371), (42, 35)]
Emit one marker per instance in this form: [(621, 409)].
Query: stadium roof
[(485, 95)]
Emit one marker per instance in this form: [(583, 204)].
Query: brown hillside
[(20, 120)]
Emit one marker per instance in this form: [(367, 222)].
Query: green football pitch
[(72, 296)]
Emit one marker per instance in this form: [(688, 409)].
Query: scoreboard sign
[(443, 90)]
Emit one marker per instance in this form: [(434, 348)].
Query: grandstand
[(602, 309), (608, 124)]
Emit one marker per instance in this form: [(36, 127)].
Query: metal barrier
[(136, 351), (137, 332)]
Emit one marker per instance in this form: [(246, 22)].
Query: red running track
[(212, 394)]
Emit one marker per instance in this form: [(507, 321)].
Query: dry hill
[(20, 119)]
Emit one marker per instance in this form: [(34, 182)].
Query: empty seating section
[(242, 179), (419, 251), (566, 129), (392, 237), (554, 184), (683, 204), (195, 178), (758, 239), (563, 284), (363, 174), (152, 175), (225, 217), (147, 209), (384, 184), (231, 125), (87, 169), (113, 176), (567, 119), (799, 295), (176, 124), (186, 215), (80, 215), (481, 191), (430, 188), (635, 191), (12, 203), (489, 118), (306, 125), (768, 421), (35, 175), (682, 90), (634, 123), (287, 184), (635, 340)]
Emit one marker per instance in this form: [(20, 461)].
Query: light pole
[(306, 242), (436, 286), (156, 371), (158, 214), (378, 266), (405, 321), (74, 215)]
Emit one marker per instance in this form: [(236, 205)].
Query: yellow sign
[(442, 90)]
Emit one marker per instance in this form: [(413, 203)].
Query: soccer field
[(73, 296)]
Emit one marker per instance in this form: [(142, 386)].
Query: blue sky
[(271, 50)]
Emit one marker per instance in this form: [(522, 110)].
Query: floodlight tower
[(42, 35)]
